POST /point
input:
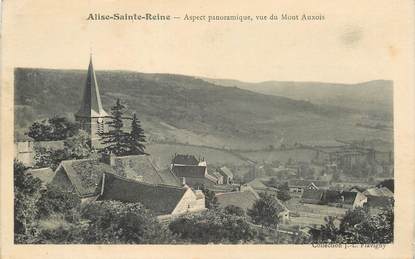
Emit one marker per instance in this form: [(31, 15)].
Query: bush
[(213, 226), (54, 200), (113, 222)]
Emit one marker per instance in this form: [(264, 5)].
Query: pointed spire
[(91, 104)]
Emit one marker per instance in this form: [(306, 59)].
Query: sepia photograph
[(272, 127)]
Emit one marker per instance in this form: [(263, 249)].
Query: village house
[(227, 175), (245, 199), (343, 199), (165, 201), (83, 176), (195, 173), (297, 187)]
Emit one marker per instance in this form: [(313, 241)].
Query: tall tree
[(137, 137), (116, 140), (26, 195), (265, 211)]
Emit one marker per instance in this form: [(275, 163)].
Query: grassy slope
[(184, 109)]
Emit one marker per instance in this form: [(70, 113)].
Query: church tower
[(91, 116)]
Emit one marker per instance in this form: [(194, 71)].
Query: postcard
[(194, 129)]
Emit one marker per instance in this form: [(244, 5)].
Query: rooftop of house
[(226, 171), (313, 195), (141, 168), (185, 160), (258, 183), (346, 197), (161, 199), (189, 171), (43, 174), (85, 174), (245, 199), (379, 191), (379, 201), (305, 183)]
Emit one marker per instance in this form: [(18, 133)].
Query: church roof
[(91, 104)]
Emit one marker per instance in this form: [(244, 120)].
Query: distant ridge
[(374, 96), (187, 109)]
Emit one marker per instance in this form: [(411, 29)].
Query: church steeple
[(91, 105), (92, 116)]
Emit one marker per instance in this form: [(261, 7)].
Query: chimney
[(184, 181)]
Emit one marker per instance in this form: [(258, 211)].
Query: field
[(162, 154), (311, 214)]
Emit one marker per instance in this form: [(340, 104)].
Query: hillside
[(176, 108), (374, 97)]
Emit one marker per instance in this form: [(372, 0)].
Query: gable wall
[(61, 179), (189, 203)]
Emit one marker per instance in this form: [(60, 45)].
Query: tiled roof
[(312, 196), (332, 196), (257, 184), (226, 171), (245, 200), (378, 201), (379, 191), (141, 168), (44, 174), (161, 199), (304, 183), (185, 160), (85, 174), (189, 171)]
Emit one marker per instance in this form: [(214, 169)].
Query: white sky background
[(351, 45)]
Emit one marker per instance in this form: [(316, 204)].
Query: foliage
[(234, 210), (265, 211), (75, 147), (117, 141), (211, 201), (57, 230), (283, 193), (54, 200), (213, 226), (358, 227), (26, 194), (56, 128), (352, 218), (137, 137), (113, 222)]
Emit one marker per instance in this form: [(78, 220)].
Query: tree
[(56, 128), (26, 195), (116, 140), (54, 200), (265, 211), (75, 147), (352, 218), (211, 201), (283, 193), (136, 138), (213, 226), (234, 210), (358, 227), (114, 222)]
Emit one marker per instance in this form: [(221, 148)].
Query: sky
[(354, 43)]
